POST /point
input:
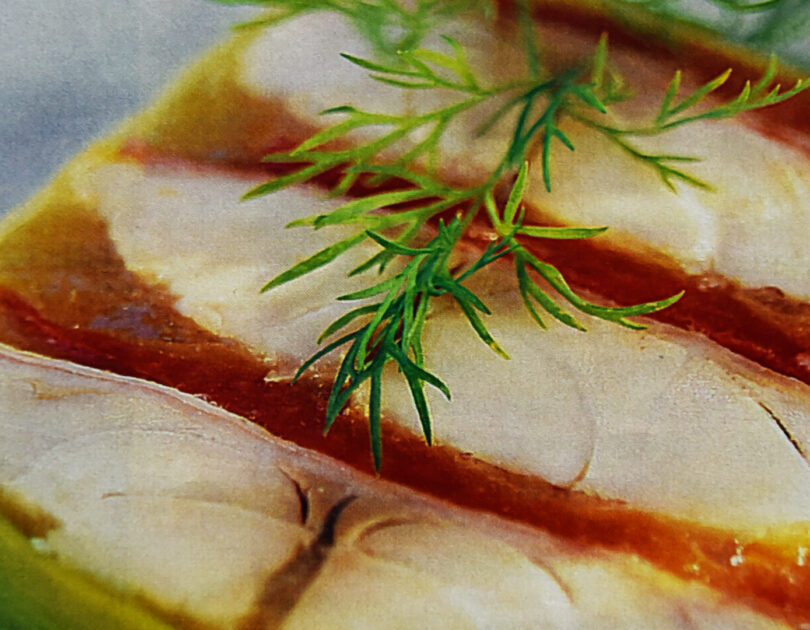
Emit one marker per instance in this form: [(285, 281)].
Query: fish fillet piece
[(663, 420), (204, 515), (749, 226)]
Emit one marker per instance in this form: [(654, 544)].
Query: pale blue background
[(69, 69)]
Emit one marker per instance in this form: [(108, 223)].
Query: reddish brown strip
[(762, 325)]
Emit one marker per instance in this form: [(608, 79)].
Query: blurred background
[(70, 69), (780, 26)]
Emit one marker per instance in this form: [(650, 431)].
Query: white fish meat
[(203, 514)]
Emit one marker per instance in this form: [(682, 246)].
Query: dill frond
[(389, 330)]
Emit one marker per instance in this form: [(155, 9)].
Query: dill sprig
[(404, 196), (420, 70), (674, 113), (389, 26), (393, 331)]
